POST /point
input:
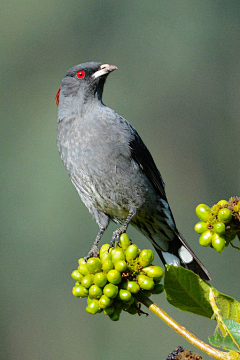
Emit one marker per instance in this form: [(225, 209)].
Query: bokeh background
[(178, 83)]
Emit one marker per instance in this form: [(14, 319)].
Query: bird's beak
[(104, 69)]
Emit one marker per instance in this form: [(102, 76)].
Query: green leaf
[(230, 341), (186, 291), (230, 308)]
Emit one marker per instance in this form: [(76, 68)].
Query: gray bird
[(112, 170)]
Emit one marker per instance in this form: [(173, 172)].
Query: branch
[(183, 332)]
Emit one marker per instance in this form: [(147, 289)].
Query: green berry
[(87, 280), (225, 215), (124, 295), (218, 243), (145, 282), (110, 290), (105, 302), (93, 307), (100, 279), (223, 202), (230, 236), (203, 212), (117, 254), (130, 301), (133, 309), (104, 249), (95, 292), (107, 265), (83, 269), (124, 241), (219, 228), (133, 287), (158, 289), (106, 256), (125, 305), (109, 310), (155, 272), (114, 277), (76, 275), (80, 291), (117, 303), (121, 265), (146, 257), (115, 315), (131, 252), (81, 261), (206, 238), (94, 265), (200, 227)]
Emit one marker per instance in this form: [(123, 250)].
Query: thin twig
[(183, 332)]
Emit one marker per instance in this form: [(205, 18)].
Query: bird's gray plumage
[(111, 168)]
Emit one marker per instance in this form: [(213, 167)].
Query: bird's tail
[(179, 253)]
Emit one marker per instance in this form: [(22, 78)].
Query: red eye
[(80, 74)]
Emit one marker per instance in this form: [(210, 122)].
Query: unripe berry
[(107, 265), (124, 241), (105, 302), (155, 272), (132, 309), (223, 202), (200, 227), (83, 269), (93, 307), (218, 243), (115, 315), (109, 310), (94, 265), (87, 280), (145, 257), (219, 228), (145, 282), (225, 215), (76, 275), (120, 266), (114, 277), (203, 212), (106, 256), (95, 292), (133, 287), (206, 238), (117, 254), (110, 290), (81, 261), (104, 249), (158, 289), (80, 291), (131, 252), (100, 279), (124, 295)]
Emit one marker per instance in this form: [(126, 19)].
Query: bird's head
[(83, 83)]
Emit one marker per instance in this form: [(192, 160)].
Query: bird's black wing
[(142, 156)]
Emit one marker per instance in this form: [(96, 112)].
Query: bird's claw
[(94, 252), (116, 236)]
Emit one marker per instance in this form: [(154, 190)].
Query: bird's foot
[(116, 236), (94, 252)]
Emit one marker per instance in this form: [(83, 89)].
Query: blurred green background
[(178, 83)]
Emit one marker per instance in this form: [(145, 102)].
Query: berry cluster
[(218, 223), (110, 281)]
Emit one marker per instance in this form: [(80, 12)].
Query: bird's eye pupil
[(80, 74)]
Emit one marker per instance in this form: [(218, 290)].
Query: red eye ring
[(81, 74)]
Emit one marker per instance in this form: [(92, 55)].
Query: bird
[(112, 169)]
